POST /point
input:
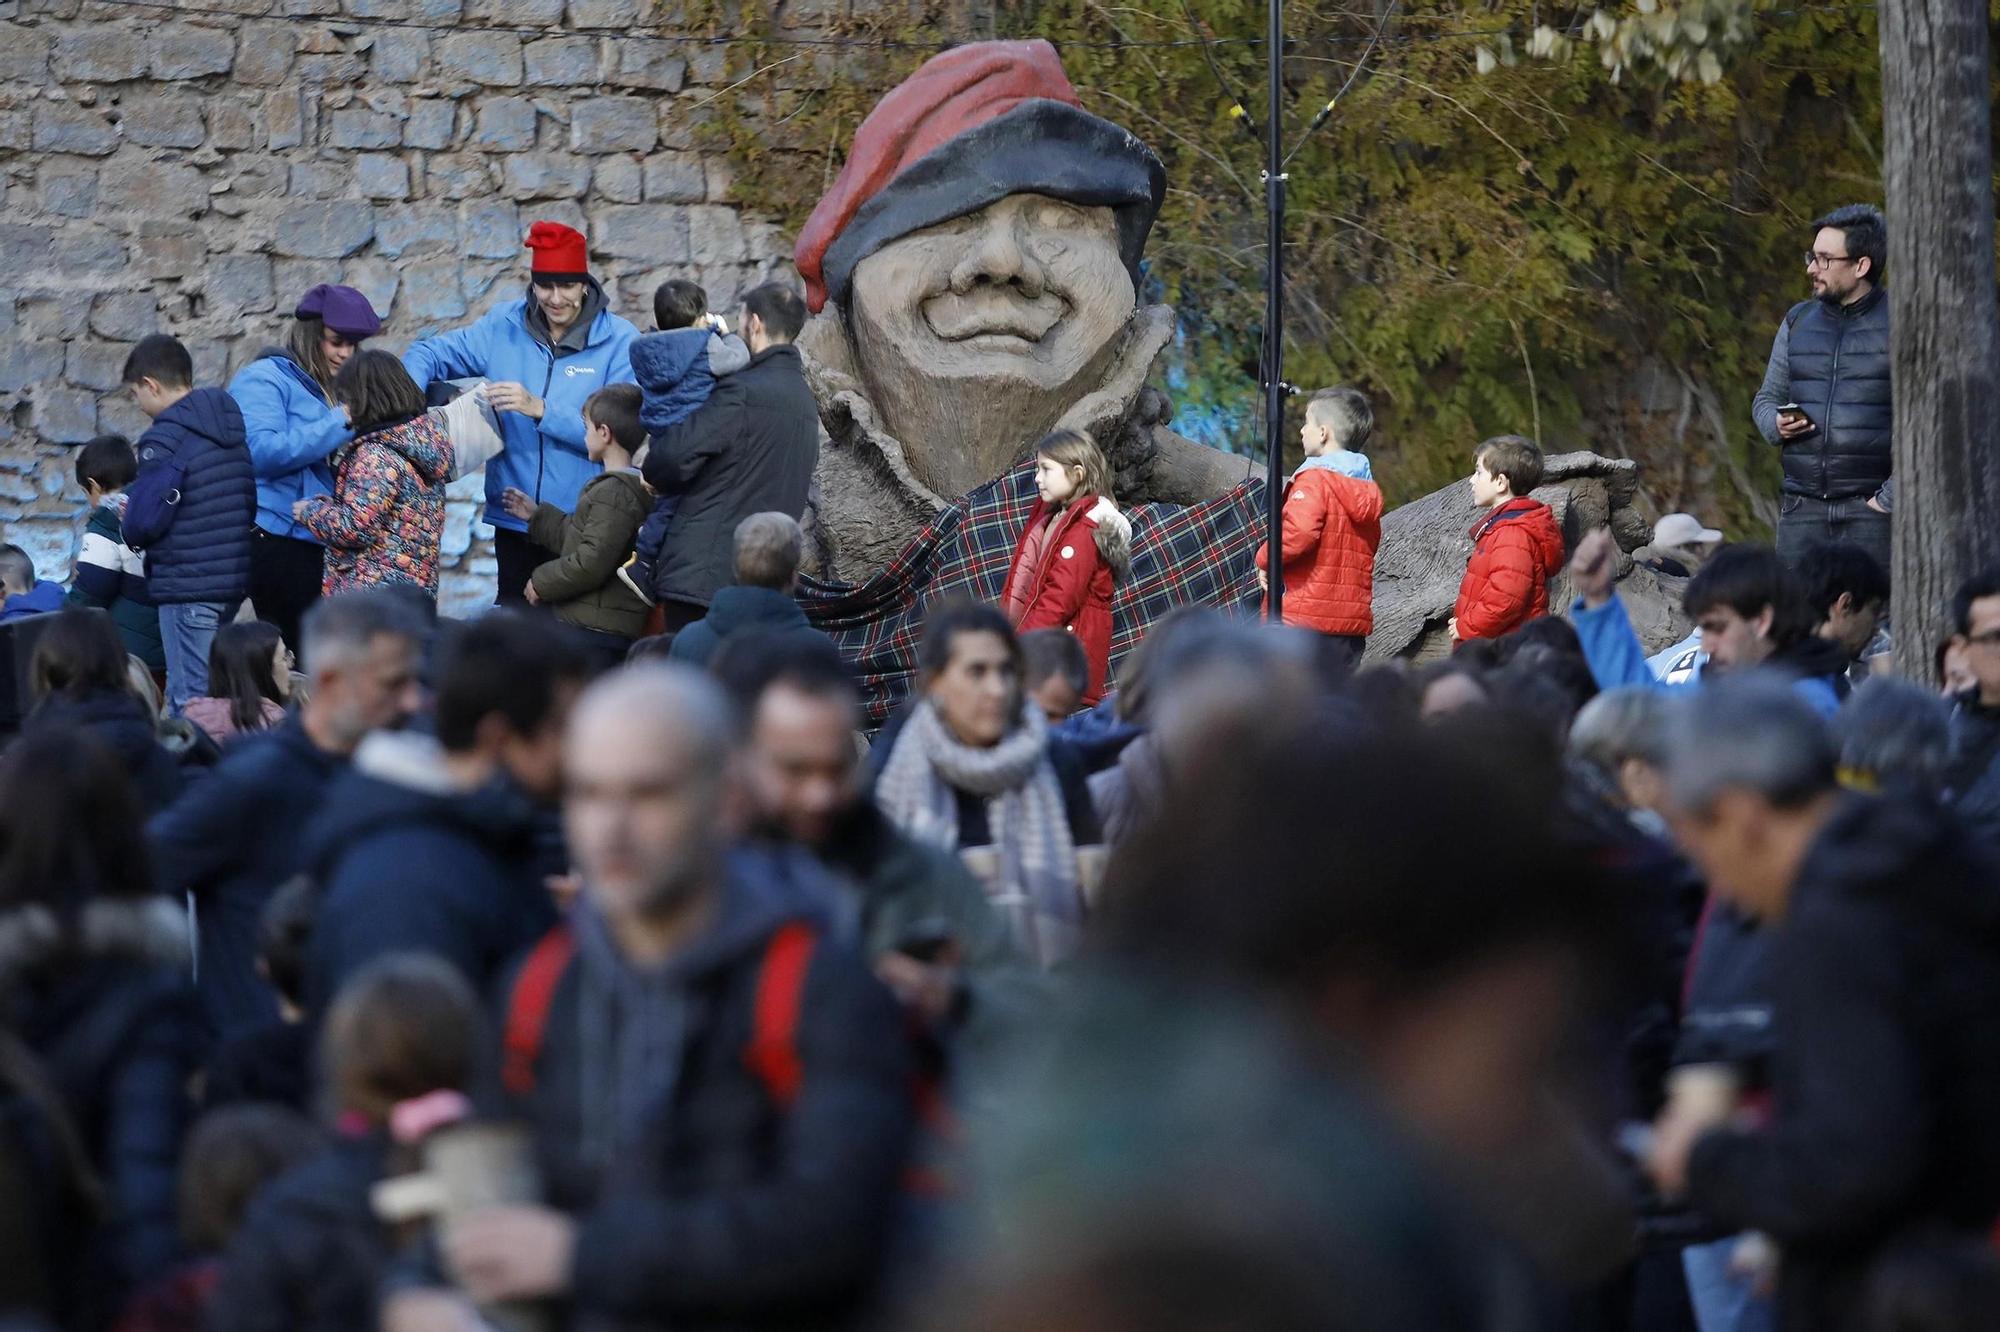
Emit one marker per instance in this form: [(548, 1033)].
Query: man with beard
[(718, 1088), (924, 921), (1826, 400), (545, 355)]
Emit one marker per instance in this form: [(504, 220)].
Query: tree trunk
[(1936, 116)]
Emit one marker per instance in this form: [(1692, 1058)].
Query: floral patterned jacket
[(385, 518)]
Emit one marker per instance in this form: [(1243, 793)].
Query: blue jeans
[(1723, 1301), (187, 631)]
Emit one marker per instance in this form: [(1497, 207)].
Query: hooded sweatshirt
[(408, 861), (545, 459), (385, 519), (737, 610), (677, 370), (40, 599), (204, 555)]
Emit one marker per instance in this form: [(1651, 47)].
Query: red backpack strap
[(528, 1008), (773, 1053)]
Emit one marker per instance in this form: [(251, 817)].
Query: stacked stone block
[(195, 173)]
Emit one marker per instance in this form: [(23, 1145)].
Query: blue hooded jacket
[(1611, 646), (547, 458), (40, 599), (204, 557), (291, 429), (677, 371)]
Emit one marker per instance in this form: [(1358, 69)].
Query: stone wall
[(194, 173)]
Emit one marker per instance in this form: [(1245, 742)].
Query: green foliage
[(1482, 253)]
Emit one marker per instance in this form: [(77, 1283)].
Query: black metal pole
[(1274, 315)]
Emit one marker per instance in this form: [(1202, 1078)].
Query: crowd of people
[(589, 963)]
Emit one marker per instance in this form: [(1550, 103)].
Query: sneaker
[(638, 577)]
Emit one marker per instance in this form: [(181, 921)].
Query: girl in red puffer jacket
[(1075, 548)]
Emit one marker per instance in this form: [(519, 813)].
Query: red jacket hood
[(1538, 519)]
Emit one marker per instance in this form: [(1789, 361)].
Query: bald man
[(712, 1169)]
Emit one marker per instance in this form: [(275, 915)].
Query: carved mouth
[(993, 317)]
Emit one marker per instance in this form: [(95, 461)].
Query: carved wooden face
[(975, 335)]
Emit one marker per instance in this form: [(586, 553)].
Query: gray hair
[(676, 696), (769, 547), (1345, 412), (1896, 733), (339, 629), (1750, 733), (1629, 722)]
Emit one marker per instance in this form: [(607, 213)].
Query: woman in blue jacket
[(293, 425), (543, 356)]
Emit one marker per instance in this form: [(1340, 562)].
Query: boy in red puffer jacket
[(1333, 524), (1516, 547)]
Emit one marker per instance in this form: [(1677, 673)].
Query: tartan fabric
[(1198, 555)]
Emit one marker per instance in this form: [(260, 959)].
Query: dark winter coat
[(1838, 359), (232, 840), (974, 829), (734, 1213), (404, 863), (273, 1064), (677, 370), (1973, 784), (111, 576), (1086, 551), (204, 555), (1516, 549), (1886, 1075), (583, 587), (751, 448), (116, 1028), (309, 1254), (120, 722), (740, 610)]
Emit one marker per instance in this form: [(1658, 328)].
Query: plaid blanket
[(1200, 555)]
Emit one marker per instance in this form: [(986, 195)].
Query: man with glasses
[(1826, 400), (1974, 779)]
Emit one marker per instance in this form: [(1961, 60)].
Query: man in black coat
[(1973, 780), (428, 845), (236, 836), (751, 448), (1826, 400), (1885, 962), (714, 1168)]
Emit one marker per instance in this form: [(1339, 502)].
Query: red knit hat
[(971, 126), (560, 253)]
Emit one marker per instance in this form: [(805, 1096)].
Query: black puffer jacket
[(1839, 362), (1886, 973), (205, 554), (732, 1212), (309, 1254), (751, 448), (113, 1020)]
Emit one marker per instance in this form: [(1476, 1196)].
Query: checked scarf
[(1198, 555)]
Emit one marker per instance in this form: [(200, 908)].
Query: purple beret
[(342, 309)]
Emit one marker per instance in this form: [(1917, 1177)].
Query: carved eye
[(1056, 213)]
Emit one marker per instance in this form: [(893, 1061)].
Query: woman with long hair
[(249, 682), (384, 521), (80, 679), (94, 985), (293, 424)]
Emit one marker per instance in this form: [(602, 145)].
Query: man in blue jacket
[(543, 356), (293, 425), (191, 507), (236, 836), (23, 592), (428, 845)]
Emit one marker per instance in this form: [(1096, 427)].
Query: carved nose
[(998, 257)]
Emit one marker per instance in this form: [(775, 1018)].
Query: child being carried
[(676, 369)]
